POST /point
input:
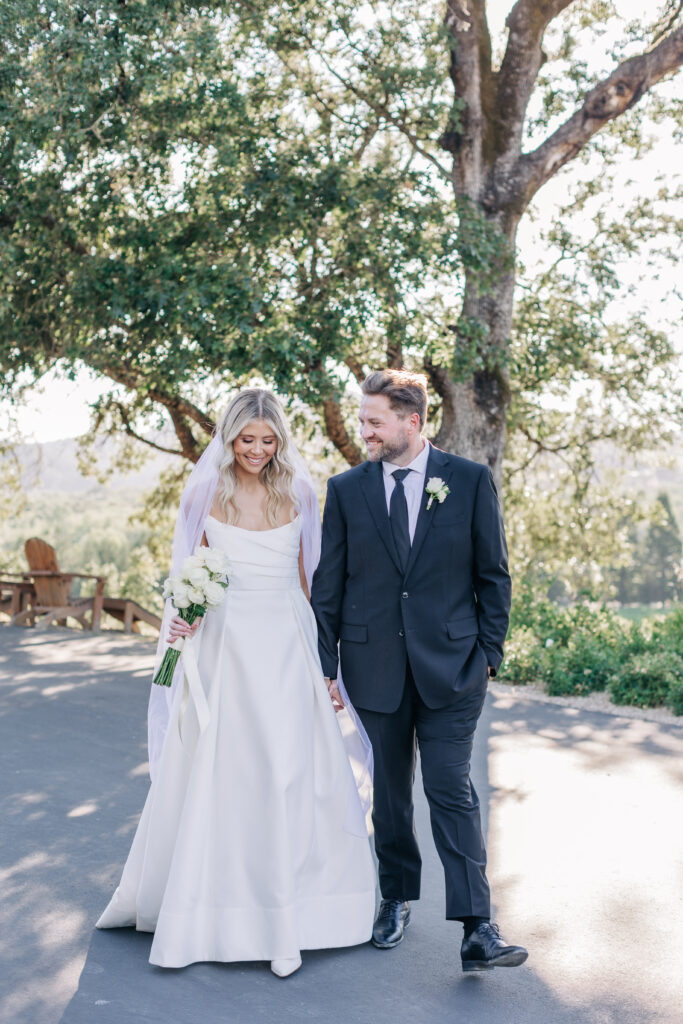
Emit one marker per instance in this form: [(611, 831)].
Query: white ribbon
[(192, 684)]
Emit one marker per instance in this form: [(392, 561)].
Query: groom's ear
[(414, 421)]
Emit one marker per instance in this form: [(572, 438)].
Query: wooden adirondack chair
[(53, 600)]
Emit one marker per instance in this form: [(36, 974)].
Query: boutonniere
[(436, 488)]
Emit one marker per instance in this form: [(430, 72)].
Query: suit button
[(401, 632), (404, 594)]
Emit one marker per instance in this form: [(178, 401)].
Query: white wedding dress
[(248, 847)]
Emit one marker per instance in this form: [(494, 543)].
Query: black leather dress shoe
[(484, 949), (388, 929)]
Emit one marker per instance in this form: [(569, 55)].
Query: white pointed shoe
[(283, 968)]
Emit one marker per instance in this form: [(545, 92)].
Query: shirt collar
[(418, 465)]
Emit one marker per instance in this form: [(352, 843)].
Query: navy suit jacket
[(448, 612)]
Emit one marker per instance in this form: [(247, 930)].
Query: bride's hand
[(178, 627), (335, 696)]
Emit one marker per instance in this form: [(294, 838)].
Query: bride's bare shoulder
[(217, 511)]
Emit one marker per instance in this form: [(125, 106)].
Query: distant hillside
[(53, 467)]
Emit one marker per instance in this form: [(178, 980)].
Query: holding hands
[(335, 696)]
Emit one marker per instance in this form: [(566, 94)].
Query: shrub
[(587, 647), (523, 657), (647, 680), (675, 698), (668, 632), (635, 639), (585, 664)]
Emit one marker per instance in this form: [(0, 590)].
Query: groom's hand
[(335, 696)]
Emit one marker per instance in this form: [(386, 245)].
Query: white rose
[(168, 587), (198, 576), (434, 483), (196, 595), (216, 561), (214, 594), (191, 563), (181, 598)]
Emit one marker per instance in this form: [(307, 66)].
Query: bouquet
[(201, 585)]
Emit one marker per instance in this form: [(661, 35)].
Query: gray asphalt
[(583, 811)]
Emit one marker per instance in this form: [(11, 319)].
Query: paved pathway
[(584, 834)]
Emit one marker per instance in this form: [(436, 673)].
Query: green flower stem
[(164, 676)]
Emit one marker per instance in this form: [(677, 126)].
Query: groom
[(413, 585)]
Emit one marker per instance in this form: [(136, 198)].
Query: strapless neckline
[(273, 529)]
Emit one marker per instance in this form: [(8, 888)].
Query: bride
[(252, 842)]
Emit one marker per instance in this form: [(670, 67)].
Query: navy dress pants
[(445, 736)]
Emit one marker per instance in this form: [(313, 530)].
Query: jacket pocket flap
[(359, 634), (450, 521), (459, 628)]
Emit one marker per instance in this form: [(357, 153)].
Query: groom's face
[(385, 433)]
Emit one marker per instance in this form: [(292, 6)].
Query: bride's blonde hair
[(277, 475)]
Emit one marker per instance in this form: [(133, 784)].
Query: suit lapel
[(372, 484), (437, 465)]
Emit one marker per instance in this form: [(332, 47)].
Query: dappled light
[(585, 839), (82, 810), (65, 759), (582, 837)]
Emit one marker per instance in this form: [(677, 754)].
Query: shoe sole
[(504, 960), (391, 945)]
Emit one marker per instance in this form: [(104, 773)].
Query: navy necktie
[(398, 517)]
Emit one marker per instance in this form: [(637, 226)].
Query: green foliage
[(649, 680), (524, 657), (93, 534), (675, 697), (194, 195), (654, 573), (189, 195), (667, 632), (586, 647), (585, 664), (179, 210)]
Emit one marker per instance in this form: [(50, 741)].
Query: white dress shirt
[(413, 485)]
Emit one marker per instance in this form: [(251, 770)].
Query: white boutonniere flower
[(436, 488)]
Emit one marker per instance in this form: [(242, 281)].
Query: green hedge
[(587, 647)]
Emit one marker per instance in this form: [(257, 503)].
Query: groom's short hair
[(407, 392)]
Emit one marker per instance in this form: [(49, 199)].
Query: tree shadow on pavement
[(72, 736)]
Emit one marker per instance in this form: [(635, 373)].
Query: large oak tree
[(193, 194)]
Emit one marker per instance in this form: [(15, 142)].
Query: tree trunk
[(474, 410), (492, 175)]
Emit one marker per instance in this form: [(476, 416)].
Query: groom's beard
[(389, 451)]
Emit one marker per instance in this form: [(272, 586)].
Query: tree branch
[(188, 443), (338, 434), (669, 19), (128, 427), (610, 98), (183, 406), (356, 368), (526, 23), (179, 409), (381, 110), (441, 381), (470, 72)]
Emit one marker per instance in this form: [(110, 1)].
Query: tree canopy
[(191, 195)]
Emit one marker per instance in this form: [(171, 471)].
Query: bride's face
[(254, 447)]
